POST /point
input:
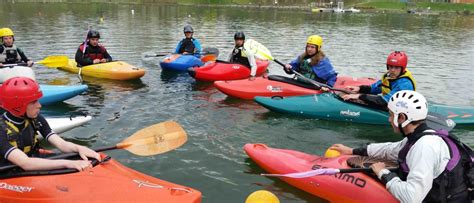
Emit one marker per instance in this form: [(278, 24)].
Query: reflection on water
[(440, 50)]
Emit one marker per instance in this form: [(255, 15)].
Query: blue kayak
[(178, 62), (58, 93)]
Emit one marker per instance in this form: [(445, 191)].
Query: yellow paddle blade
[(258, 49), (155, 139), (55, 61)]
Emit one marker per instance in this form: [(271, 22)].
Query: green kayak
[(329, 106)]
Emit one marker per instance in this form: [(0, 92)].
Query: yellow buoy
[(262, 196), (330, 153)]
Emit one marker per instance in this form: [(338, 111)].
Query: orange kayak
[(107, 182)]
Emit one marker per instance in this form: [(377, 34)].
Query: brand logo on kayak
[(274, 89), (401, 104), (350, 113), (146, 184), (16, 188), (236, 67), (359, 182)]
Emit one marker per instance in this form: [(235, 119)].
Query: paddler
[(9, 52), (94, 53), (189, 45), (434, 166), (397, 78), (242, 56), (22, 124)]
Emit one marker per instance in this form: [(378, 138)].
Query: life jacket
[(239, 56), (93, 52), (306, 69), (187, 45), (10, 55), (387, 81), (458, 176), (26, 140)]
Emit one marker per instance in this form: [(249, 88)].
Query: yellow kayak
[(116, 70)]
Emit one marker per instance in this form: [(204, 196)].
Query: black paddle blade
[(439, 122), (210, 50)]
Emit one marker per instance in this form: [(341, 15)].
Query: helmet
[(410, 103), (315, 40), (398, 58), (188, 28), (262, 196), (6, 32), (16, 93), (93, 34), (239, 35)]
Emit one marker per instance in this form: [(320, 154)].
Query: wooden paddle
[(152, 140)]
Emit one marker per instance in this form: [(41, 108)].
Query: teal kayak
[(330, 107), (58, 93)]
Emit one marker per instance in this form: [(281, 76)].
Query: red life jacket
[(93, 52)]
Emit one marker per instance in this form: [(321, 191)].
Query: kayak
[(62, 124), (275, 85), (116, 70), (329, 106), (106, 182), (343, 187), (58, 93), (8, 72), (178, 62), (226, 71)]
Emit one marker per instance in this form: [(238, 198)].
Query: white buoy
[(133, 12), (189, 15)]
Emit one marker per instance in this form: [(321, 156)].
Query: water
[(440, 50)]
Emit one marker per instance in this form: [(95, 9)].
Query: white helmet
[(410, 103)]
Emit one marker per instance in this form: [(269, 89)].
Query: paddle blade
[(258, 49), (306, 174), (210, 51), (155, 139), (55, 61), (208, 58), (439, 122)]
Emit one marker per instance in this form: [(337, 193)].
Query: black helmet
[(239, 35), (188, 28), (93, 34)]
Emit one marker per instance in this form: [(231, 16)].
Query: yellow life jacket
[(387, 81), (15, 139)]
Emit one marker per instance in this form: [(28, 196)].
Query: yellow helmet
[(6, 32), (262, 196), (315, 40)]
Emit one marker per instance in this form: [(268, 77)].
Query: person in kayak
[(242, 56), (94, 53), (434, 166), (189, 45), (22, 124), (313, 63), (396, 78), (9, 52)]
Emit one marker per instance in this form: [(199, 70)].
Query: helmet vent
[(410, 96), (397, 95), (404, 94), (418, 107), (416, 101)]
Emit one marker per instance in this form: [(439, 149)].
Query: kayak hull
[(107, 182), (328, 106), (226, 71), (58, 93), (354, 187), (178, 62), (265, 87), (60, 125), (116, 70)]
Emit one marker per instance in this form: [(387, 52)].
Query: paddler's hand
[(350, 97), (377, 167), (96, 61), (29, 63), (353, 89), (85, 152), (325, 89), (252, 78), (79, 165), (288, 69), (342, 149), (103, 60)]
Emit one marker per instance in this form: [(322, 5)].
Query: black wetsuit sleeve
[(107, 56), (5, 147), (364, 89), (360, 151), (43, 127), (22, 55), (81, 60), (374, 100)]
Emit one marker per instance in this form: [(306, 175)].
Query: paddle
[(323, 171), (205, 51), (152, 140), (84, 51), (49, 61)]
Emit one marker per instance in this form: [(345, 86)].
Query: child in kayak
[(434, 166), (21, 125), (396, 78), (313, 63), (242, 56), (189, 45), (9, 53), (94, 53)]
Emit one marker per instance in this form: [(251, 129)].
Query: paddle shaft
[(358, 170), (166, 54)]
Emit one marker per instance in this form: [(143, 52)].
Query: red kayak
[(275, 85), (225, 71), (342, 187)]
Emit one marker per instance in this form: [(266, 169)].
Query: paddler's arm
[(253, 63), (107, 56), (81, 60), (67, 147), (20, 159)]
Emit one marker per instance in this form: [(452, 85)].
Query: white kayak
[(8, 72), (63, 124)]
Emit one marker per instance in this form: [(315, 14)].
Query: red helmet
[(398, 58), (16, 93)]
